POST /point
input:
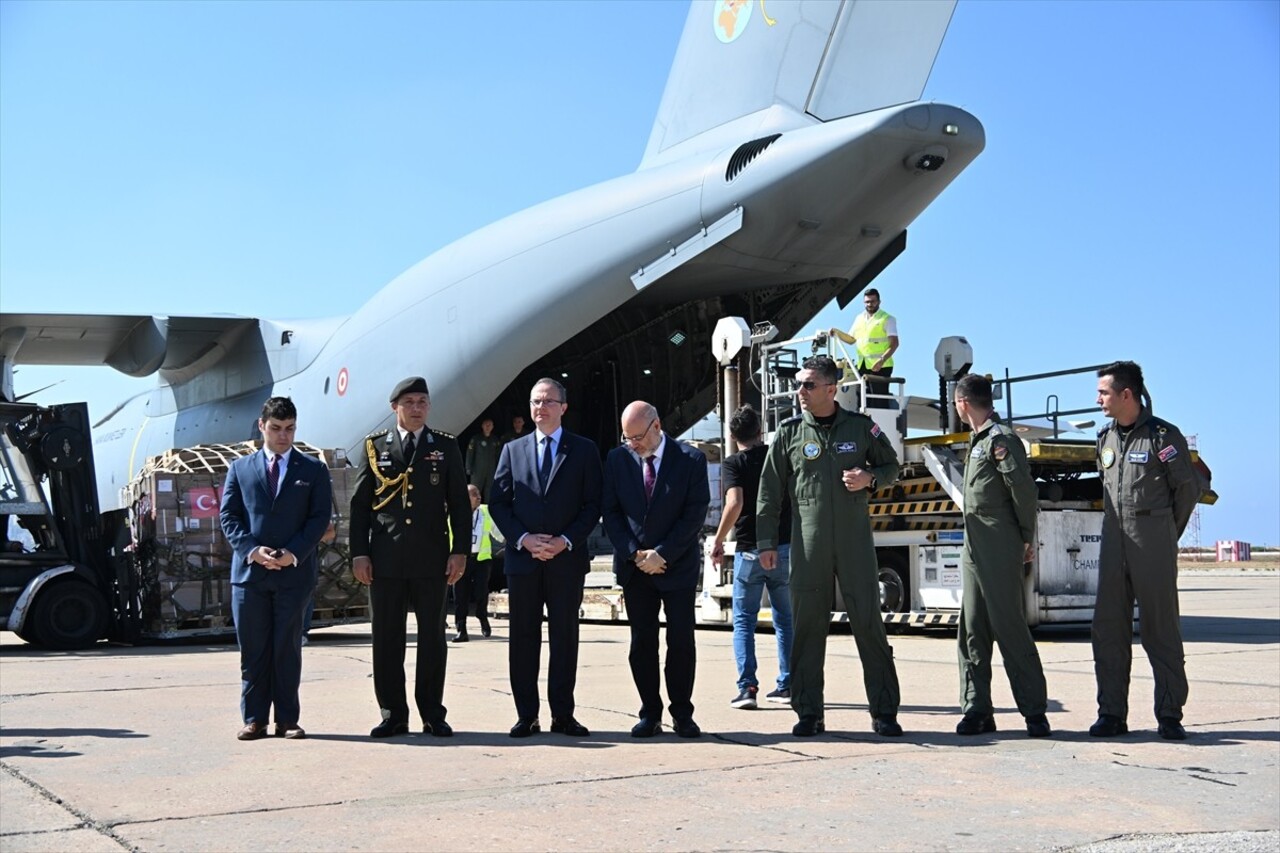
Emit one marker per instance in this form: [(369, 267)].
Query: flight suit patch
[(1167, 453), (978, 452), (1139, 456), (875, 430), (999, 451), (847, 447), (811, 450), (1108, 458)]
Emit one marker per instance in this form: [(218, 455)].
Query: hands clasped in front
[(272, 559), (543, 546), (649, 561)]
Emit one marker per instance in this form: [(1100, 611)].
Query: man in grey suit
[(546, 502), (275, 507)]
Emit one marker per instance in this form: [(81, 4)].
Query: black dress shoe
[(290, 731), (976, 724), (524, 728), (687, 728), (485, 630), (1171, 729), (1108, 726), (886, 725), (1038, 726), (809, 726), (646, 728), (461, 637), (389, 728), (437, 728), (568, 726)]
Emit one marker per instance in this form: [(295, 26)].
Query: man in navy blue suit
[(655, 504), (546, 502), (276, 505)]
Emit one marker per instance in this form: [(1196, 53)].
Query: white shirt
[(283, 466), (555, 442), (417, 438), (657, 456)]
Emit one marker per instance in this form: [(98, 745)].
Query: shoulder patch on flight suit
[(999, 451), (1167, 453)]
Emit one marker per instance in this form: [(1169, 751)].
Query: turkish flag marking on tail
[(203, 503)]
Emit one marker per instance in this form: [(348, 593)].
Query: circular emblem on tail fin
[(729, 18)]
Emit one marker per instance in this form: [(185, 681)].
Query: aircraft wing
[(134, 344)]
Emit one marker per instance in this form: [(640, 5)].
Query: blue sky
[(289, 159)]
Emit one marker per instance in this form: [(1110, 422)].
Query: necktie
[(273, 476), (409, 448), (544, 470), (650, 477)]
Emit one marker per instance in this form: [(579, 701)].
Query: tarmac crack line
[(460, 795), (1193, 772), (86, 821)]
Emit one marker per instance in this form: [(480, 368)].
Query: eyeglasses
[(634, 439), (547, 401), (809, 384)]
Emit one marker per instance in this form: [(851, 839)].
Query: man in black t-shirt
[(741, 478)]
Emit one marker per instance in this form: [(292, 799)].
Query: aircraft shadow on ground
[(1230, 629), (107, 733)]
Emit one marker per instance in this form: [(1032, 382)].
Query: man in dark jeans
[(741, 479)]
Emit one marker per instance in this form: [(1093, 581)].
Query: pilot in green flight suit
[(1150, 490), (999, 537), (829, 460)]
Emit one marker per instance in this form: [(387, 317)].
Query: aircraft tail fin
[(751, 66)]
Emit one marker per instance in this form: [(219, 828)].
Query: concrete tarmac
[(134, 748)]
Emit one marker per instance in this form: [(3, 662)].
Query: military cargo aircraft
[(789, 154)]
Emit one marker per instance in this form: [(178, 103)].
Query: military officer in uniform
[(410, 490), (999, 538), (828, 461), (1149, 492)]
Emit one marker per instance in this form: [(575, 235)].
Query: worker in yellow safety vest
[(473, 587), (875, 334)]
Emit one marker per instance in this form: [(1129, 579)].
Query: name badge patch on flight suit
[(811, 450), (1167, 453), (1108, 458), (1139, 456), (847, 447), (978, 452)]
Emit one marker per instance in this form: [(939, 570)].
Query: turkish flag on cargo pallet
[(203, 503)]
